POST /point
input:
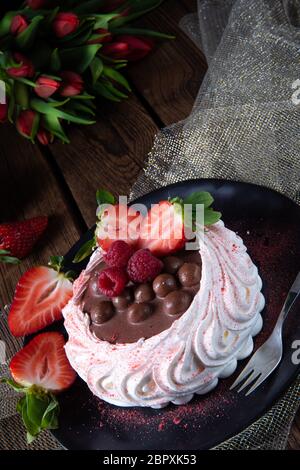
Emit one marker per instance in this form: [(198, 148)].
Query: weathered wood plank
[(170, 77), (28, 188), (108, 154)]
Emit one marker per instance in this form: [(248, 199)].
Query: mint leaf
[(50, 417), (36, 406), (206, 199), (104, 197), (199, 197), (85, 250), (211, 216)]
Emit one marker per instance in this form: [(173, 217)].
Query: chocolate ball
[(138, 313), (144, 293), (122, 301), (172, 264), (189, 274), (102, 312), (177, 302), (163, 284)]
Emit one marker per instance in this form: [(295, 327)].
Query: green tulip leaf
[(25, 39), (116, 76), (79, 58), (55, 62), (96, 68)]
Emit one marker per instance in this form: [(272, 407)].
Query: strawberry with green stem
[(162, 230), (39, 371)]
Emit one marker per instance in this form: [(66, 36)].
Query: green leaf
[(141, 32), (85, 250), (52, 124), (56, 263), (79, 58), (109, 86), (96, 67), (80, 107), (46, 109), (25, 81), (14, 385), (25, 39), (102, 90), (21, 94), (31, 427), (36, 406), (104, 197), (6, 22), (102, 21), (55, 62), (211, 216), (116, 76), (9, 260), (199, 197), (50, 417), (139, 8)]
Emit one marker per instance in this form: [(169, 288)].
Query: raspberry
[(143, 266), (118, 254), (112, 281)]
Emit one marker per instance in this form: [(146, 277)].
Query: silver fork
[(269, 355)]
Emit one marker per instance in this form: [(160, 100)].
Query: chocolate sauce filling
[(144, 310)]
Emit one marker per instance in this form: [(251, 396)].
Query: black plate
[(270, 226)]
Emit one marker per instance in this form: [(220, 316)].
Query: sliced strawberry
[(43, 362), (118, 223), (162, 230), (40, 295), (18, 238)]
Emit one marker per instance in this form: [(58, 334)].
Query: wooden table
[(62, 181)]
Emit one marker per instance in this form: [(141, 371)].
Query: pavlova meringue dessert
[(152, 323)]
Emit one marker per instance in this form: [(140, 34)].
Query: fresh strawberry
[(162, 230), (18, 238), (117, 223), (39, 371), (40, 295), (43, 362)]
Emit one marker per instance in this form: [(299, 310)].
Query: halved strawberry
[(118, 222), (39, 371), (162, 230), (43, 362), (40, 296)]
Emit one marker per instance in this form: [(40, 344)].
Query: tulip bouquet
[(56, 57)]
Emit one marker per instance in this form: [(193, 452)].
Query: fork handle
[(289, 302)]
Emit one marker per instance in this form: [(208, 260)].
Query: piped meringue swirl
[(200, 347)]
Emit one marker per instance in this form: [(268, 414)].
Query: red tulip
[(100, 36), (46, 86), (25, 68), (72, 84), (37, 4), (128, 47), (65, 24), (18, 24), (3, 112), (44, 137), (26, 122)]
